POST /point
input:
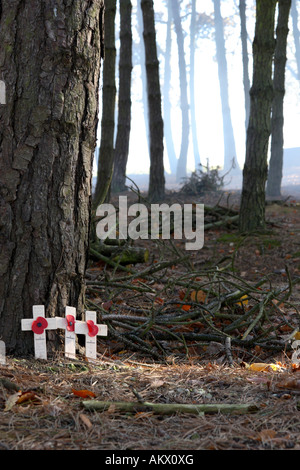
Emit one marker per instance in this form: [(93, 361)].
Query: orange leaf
[(186, 307), (198, 296), (27, 396), (266, 434), (83, 393)]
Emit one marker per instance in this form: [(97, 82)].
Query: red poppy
[(93, 329), (39, 325), (70, 322)]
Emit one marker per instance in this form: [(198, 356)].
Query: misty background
[(207, 97)]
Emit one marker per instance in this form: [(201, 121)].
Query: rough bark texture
[(106, 151), (50, 61), (276, 161), (124, 109), (252, 211), (156, 128)]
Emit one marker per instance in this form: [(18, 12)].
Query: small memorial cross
[(68, 324), (91, 330), (38, 325), (2, 353)]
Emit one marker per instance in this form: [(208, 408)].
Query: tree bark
[(252, 211), (124, 108), (228, 135), (106, 151), (50, 62), (156, 127), (276, 160)]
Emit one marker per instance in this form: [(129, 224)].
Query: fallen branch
[(170, 408)]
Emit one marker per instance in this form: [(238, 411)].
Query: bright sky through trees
[(207, 94)]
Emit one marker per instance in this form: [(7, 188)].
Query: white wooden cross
[(2, 92), (38, 325), (2, 353), (91, 330), (68, 324)]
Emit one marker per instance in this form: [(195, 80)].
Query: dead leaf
[(11, 401), (27, 396), (86, 421), (262, 366), (290, 383), (198, 296), (243, 301), (83, 393), (157, 383), (266, 434)]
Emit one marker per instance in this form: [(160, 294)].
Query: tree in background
[(252, 210), (296, 34), (276, 160), (50, 60), (184, 105), (106, 152), (124, 101), (167, 107), (228, 135), (244, 41), (192, 85), (156, 190)]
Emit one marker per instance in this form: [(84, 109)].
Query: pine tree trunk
[(50, 61), (252, 211), (124, 108), (276, 161), (156, 127), (106, 151)]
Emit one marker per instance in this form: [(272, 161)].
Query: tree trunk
[(184, 105), (106, 151), (124, 109), (252, 211), (192, 87), (276, 161), (156, 127), (50, 61), (246, 80), (142, 61), (166, 96), (228, 135)]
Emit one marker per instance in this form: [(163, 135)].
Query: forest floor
[(42, 403)]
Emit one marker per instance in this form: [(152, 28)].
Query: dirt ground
[(52, 416)]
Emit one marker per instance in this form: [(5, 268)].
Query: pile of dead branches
[(159, 306)]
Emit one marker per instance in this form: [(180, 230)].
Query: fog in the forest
[(207, 94)]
